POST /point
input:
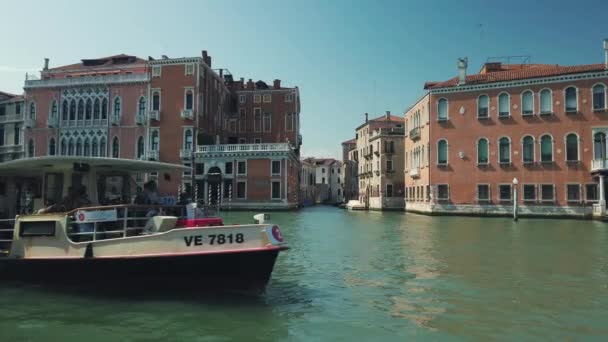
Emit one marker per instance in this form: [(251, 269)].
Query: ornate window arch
[(52, 147), (546, 148), (504, 150)]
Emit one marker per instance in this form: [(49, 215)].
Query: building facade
[(417, 161), (12, 110), (327, 176), (532, 134), (381, 162), (308, 181)]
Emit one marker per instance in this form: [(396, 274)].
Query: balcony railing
[(414, 172), (185, 153), (155, 115), (30, 123), (140, 120), (115, 119), (152, 155), (11, 148), (187, 114), (390, 131), (88, 80), (10, 118), (415, 133), (242, 148), (599, 164), (52, 121)]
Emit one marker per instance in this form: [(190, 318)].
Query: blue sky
[(347, 57)]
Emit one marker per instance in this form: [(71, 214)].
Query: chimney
[(204, 53), (277, 84), (606, 53), (250, 84), (208, 61), (46, 61), (462, 70), (366, 117), (388, 114)]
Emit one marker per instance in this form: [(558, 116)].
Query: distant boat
[(355, 205)]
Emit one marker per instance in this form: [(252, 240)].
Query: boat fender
[(261, 218), (88, 252)]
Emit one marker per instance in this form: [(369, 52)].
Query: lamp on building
[(461, 155), (515, 182)]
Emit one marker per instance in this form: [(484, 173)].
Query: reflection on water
[(368, 276)]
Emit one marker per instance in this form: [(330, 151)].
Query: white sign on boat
[(96, 215)]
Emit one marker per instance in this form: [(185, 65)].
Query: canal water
[(363, 276)]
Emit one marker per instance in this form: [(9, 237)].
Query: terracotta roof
[(351, 141), (103, 62), (392, 118), (518, 73), (7, 94)]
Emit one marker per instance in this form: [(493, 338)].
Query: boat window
[(39, 228), (53, 188), (113, 189)]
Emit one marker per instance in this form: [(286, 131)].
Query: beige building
[(12, 110), (417, 152), (381, 164)]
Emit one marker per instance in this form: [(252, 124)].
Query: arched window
[(482, 106), (442, 109), (73, 110), (188, 139), (33, 111), (71, 147), (571, 147), (87, 147), (52, 147), (189, 100), (64, 110), (54, 110), (156, 101), (80, 110), (482, 151), (115, 148), (154, 141), (504, 150), (528, 149), (546, 101), (141, 111), (546, 148), (504, 105), (571, 99), (117, 107), (94, 149), (89, 110), (527, 103), (30, 148), (104, 109), (599, 145), (599, 96), (442, 152), (64, 150), (96, 110), (140, 147), (102, 147), (79, 147)]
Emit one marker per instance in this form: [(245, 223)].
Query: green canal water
[(359, 276)]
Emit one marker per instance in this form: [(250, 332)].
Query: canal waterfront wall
[(578, 212)]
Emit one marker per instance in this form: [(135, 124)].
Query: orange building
[(533, 134)]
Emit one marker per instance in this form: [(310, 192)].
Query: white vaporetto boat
[(114, 241)]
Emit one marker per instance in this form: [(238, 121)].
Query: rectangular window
[(289, 122), (188, 171), (242, 120), (276, 167), (529, 193), (257, 119), (257, 140), (482, 106), (267, 122), (242, 141), (276, 190), (504, 192), (242, 98), (389, 166), (322, 180), (18, 108), (288, 97), (241, 190), (443, 192), (573, 192), (389, 190), (257, 98), (228, 168), (483, 192), (189, 69), (322, 170), (2, 110), (189, 100), (267, 98), (591, 192), (242, 168), (156, 70), (547, 192), (199, 169)]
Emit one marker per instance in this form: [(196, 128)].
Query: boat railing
[(7, 228), (119, 221)]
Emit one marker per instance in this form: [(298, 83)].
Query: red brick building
[(535, 130)]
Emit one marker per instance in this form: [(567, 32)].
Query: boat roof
[(62, 163)]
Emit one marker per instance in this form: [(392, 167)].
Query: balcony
[(115, 119), (30, 123), (152, 155), (11, 118), (415, 133), (140, 120), (88, 80), (206, 150), (377, 172), (185, 154), (154, 115), (52, 121), (599, 165), (11, 149), (414, 172), (187, 114), (377, 153)]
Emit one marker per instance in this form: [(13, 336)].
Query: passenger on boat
[(76, 198)]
